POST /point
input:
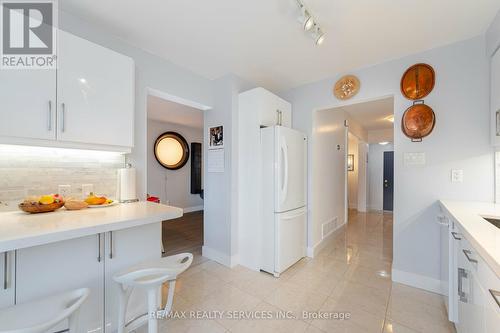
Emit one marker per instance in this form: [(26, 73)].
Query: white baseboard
[(314, 250), (192, 209), (373, 208), (417, 281), (221, 258)]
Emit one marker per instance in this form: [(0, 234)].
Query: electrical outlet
[(457, 176), (64, 190), (87, 189)]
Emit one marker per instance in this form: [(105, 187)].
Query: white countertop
[(20, 230), (483, 236)]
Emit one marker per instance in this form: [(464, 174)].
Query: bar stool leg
[(152, 310), (170, 297), (73, 322), (123, 298)]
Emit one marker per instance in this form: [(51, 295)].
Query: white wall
[(383, 135), (328, 172), (172, 185), (376, 175), (221, 195), (460, 140), (493, 36), (352, 176)]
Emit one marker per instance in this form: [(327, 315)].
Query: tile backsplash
[(28, 171)]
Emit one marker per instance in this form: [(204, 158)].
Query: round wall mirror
[(171, 150)]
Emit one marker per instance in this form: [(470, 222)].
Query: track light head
[(318, 35), (306, 20)]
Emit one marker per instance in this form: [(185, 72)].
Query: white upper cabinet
[(266, 107), (95, 91), (495, 99), (28, 103), (88, 102)]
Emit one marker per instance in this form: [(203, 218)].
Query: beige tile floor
[(352, 274)]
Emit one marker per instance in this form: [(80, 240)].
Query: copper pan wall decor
[(418, 121), (418, 81), (346, 87)]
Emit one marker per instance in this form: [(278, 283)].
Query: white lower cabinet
[(125, 248), (62, 266), (8, 279), (89, 262), (478, 310)]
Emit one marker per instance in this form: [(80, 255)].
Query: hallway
[(351, 276)]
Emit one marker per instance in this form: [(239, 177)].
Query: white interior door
[(290, 238), (290, 178)]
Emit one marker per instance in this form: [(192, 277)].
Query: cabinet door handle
[(49, 120), (462, 273), (111, 245), (5, 270), (455, 235), (63, 117), (99, 248), (495, 294), (280, 117), (497, 127), (467, 255)]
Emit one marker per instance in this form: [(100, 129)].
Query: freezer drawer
[(290, 238)]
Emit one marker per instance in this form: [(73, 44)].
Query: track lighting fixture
[(309, 24)]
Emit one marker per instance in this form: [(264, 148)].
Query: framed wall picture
[(216, 137)]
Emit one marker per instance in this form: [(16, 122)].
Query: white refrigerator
[(283, 202)]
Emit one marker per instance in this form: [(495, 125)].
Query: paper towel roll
[(126, 185)]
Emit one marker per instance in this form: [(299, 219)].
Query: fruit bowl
[(36, 207)]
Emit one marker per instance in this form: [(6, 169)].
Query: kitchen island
[(44, 254)]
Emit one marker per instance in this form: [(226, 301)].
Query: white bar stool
[(41, 315), (150, 276)]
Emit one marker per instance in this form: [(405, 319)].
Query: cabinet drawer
[(485, 275)]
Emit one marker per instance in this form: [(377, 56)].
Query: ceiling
[(262, 41), (170, 112), (372, 115)]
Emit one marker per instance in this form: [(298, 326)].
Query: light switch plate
[(457, 176), (411, 159)]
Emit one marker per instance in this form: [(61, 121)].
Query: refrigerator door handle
[(291, 217), (284, 188)]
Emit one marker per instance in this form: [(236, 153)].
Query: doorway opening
[(180, 184), (349, 142)]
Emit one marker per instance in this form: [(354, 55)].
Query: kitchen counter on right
[(483, 235)]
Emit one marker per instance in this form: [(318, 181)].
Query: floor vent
[(328, 227)]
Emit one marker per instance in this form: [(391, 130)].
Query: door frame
[(179, 100)]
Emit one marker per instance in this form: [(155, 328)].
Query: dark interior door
[(388, 180)]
